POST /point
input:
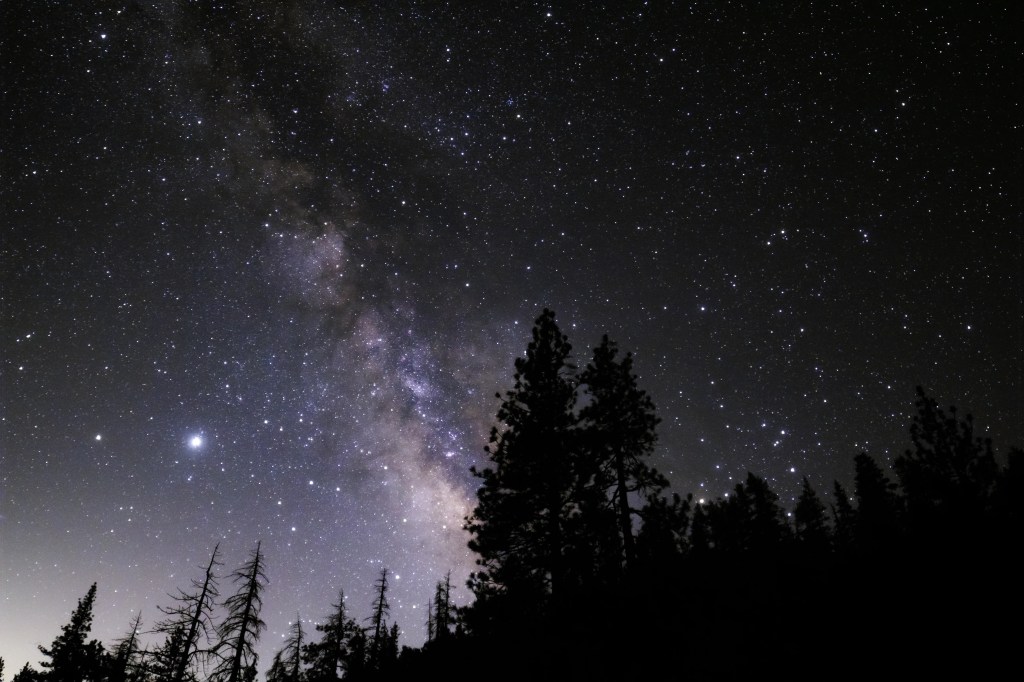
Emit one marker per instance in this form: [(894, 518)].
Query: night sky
[(265, 265)]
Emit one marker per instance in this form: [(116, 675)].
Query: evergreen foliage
[(73, 657), (287, 663), (810, 522), (524, 502), (332, 657)]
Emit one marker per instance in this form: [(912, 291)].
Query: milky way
[(266, 264)]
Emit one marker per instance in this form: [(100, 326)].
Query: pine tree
[(125, 653), (844, 520), (28, 674), (278, 670), (73, 657), (389, 652), (443, 612), (378, 621), (769, 527), (357, 660), (876, 529), (950, 475), (518, 527), (193, 616), (328, 658), (810, 522), (165, 658), (618, 423), (663, 535), (287, 663), (700, 541), (240, 630)]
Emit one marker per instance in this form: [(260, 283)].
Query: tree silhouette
[(876, 529), (73, 657), (357, 661), (769, 529), (193, 615), (750, 519), (167, 656), (378, 622), (844, 520), (329, 658), (809, 520), (949, 475), (518, 527), (287, 663), (27, 674), (666, 524), (241, 629), (618, 422), (123, 663), (441, 612)]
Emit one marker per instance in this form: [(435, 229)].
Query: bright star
[(195, 442)]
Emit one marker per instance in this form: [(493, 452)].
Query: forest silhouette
[(590, 568)]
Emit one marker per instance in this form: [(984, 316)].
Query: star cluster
[(266, 264)]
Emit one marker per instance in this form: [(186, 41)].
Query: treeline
[(204, 638), (588, 568)]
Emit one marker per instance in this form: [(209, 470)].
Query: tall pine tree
[(330, 658), (240, 630), (618, 423), (526, 498), (192, 615), (379, 622), (73, 657), (812, 531)]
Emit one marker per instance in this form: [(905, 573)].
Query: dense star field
[(265, 265)]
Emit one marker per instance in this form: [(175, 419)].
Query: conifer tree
[(618, 423), (700, 540), (329, 658), (949, 476), (389, 652), (844, 520), (73, 657), (287, 663), (192, 614), (125, 651), (769, 527), (277, 671), (357, 659), (876, 529), (663, 535), (166, 657), (378, 621), (518, 527), (442, 613), (27, 674), (240, 630), (809, 520)]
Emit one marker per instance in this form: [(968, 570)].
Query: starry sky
[(265, 265)]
